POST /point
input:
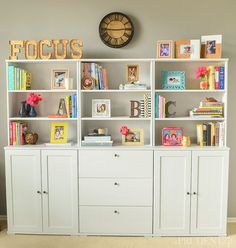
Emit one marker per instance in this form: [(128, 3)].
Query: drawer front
[(116, 220), (126, 192), (117, 163)]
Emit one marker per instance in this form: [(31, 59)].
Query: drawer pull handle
[(116, 212), (116, 155), (116, 184)]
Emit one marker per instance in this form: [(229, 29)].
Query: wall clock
[(116, 30)]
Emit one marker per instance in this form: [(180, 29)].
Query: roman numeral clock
[(116, 30)]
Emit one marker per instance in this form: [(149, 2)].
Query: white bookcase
[(149, 72)]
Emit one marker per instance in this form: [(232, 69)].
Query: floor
[(37, 241)]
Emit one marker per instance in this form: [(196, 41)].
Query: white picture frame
[(101, 108)]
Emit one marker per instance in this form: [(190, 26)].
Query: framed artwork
[(211, 46), (187, 49), (132, 73), (173, 80), (134, 137), (101, 108), (87, 83), (172, 136), (58, 78), (165, 49), (59, 131)]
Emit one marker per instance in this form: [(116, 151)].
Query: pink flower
[(202, 72), (33, 99), (124, 130)]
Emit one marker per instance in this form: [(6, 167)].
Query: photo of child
[(59, 133), (211, 47), (132, 73), (172, 136), (101, 108), (164, 50)]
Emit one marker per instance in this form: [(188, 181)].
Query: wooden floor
[(40, 241)]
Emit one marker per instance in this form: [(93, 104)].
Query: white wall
[(153, 20)]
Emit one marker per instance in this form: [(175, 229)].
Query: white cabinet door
[(23, 184), (172, 175), (209, 192), (60, 194)]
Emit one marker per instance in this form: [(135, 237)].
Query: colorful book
[(221, 78)]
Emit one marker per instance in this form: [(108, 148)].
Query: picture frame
[(187, 49), (134, 137), (132, 73), (101, 108), (59, 132), (173, 80), (88, 83), (172, 136), (58, 78), (165, 49), (211, 46)]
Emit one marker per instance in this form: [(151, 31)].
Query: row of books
[(208, 109), (211, 134), (160, 103), (18, 79), (219, 77), (97, 140), (17, 133), (97, 73)]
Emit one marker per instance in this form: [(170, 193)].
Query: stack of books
[(135, 86), (145, 106), (18, 79), (219, 77), (208, 109), (211, 134), (97, 73), (97, 140), (16, 130), (160, 103)]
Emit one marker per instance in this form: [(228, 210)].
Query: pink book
[(10, 132), (217, 77), (21, 134), (13, 133)]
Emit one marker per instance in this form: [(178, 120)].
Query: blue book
[(73, 106), (221, 78), (76, 114), (11, 77), (156, 105)]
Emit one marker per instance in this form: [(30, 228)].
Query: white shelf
[(118, 118), (191, 91), (42, 91), (114, 91), (191, 119), (222, 60), (41, 119)]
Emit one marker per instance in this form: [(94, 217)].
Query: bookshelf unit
[(145, 168)]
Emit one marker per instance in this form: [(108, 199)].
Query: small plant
[(124, 130), (33, 99), (202, 72)]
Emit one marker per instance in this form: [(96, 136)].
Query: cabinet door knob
[(195, 193), (188, 193), (45, 192), (116, 212), (117, 184), (39, 192), (116, 155)]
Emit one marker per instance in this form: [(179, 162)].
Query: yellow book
[(25, 79), (20, 79), (200, 134), (68, 106), (213, 134)]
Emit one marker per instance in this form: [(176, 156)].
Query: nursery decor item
[(135, 110), (165, 49), (59, 132), (172, 136), (132, 73), (58, 78), (101, 108), (187, 49), (31, 138), (167, 113), (132, 136), (62, 108), (33, 100), (202, 73), (186, 141), (173, 80), (23, 109), (211, 46)]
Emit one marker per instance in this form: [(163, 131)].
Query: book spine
[(11, 77), (13, 133), (10, 133), (68, 106), (208, 143), (217, 77), (17, 78), (104, 76), (21, 134), (156, 105), (199, 135), (221, 78), (221, 134), (204, 134), (76, 110)]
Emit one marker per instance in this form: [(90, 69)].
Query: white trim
[(231, 219), (3, 217)]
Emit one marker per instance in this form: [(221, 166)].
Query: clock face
[(116, 30)]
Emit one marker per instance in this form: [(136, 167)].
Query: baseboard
[(231, 219), (3, 217)]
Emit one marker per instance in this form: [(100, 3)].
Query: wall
[(153, 20)]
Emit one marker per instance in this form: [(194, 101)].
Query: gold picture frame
[(135, 137), (165, 49), (132, 73), (58, 78), (59, 132)]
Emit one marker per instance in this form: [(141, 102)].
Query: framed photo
[(59, 131), (87, 83), (172, 136), (211, 46), (165, 49), (187, 49), (173, 80), (134, 137), (132, 73), (101, 108), (58, 78)]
